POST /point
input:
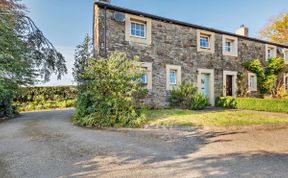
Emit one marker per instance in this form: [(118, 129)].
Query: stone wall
[(177, 45)]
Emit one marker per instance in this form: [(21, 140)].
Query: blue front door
[(205, 84)]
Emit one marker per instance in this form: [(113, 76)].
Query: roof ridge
[(135, 12)]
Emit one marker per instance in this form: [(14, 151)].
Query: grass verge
[(178, 117)]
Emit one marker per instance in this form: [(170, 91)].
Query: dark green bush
[(111, 93), (257, 104), (6, 107), (186, 96)]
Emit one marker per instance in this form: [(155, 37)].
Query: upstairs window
[(138, 29), (205, 42), (230, 45), (271, 52)]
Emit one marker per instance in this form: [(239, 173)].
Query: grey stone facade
[(173, 44)]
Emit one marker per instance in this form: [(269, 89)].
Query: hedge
[(40, 98), (269, 105)]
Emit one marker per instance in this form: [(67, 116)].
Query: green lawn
[(177, 117)]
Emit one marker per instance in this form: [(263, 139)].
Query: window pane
[(138, 29), (144, 78), (204, 42), (228, 46), (133, 29), (173, 77)]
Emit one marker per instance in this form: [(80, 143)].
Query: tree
[(83, 52), (276, 30), (25, 53), (268, 77), (112, 93)]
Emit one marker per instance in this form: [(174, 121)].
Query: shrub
[(111, 94), (267, 76), (226, 102), (269, 105), (185, 96), (199, 102), (6, 107), (49, 93), (181, 95), (39, 98)]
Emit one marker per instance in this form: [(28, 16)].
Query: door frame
[(211, 83), (234, 82)]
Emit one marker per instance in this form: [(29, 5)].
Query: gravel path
[(46, 144)]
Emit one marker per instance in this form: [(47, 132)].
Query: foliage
[(185, 95), (179, 117), (49, 93), (25, 53), (269, 105), (6, 108), (199, 102), (267, 76), (44, 105), (181, 95), (39, 98), (112, 93), (83, 52), (226, 102), (276, 30)]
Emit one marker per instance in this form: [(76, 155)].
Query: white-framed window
[(144, 77), (286, 56), (252, 82), (205, 41), (138, 29), (271, 51), (230, 45), (173, 77)]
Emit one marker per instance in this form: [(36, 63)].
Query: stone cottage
[(173, 51)]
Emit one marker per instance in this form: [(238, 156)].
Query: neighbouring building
[(173, 51)]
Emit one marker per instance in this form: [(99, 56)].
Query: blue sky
[(65, 22)]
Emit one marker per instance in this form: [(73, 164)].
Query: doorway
[(205, 84), (230, 83)]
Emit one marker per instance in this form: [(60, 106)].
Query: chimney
[(104, 1), (243, 31)]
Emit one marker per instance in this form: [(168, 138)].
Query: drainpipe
[(105, 32)]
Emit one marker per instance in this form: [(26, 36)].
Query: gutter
[(172, 21)]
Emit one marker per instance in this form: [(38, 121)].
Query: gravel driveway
[(46, 144)]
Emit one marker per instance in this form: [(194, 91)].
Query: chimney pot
[(243, 31)]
